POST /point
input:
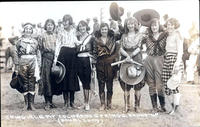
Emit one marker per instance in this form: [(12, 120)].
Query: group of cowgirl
[(110, 52)]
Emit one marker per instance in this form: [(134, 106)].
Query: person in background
[(95, 25), (28, 64)]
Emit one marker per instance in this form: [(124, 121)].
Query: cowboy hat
[(15, 83), (58, 72), (172, 83), (145, 16), (131, 74), (115, 11), (13, 39)]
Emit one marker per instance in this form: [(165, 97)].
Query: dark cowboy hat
[(15, 83), (13, 39), (115, 11), (58, 72), (131, 74), (145, 16)]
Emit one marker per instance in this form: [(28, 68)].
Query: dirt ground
[(12, 114)]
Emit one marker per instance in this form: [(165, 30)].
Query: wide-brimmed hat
[(13, 39), (58, 72), (131, 74), (145, 16), (115, 11), (15, 83), (173, 82)]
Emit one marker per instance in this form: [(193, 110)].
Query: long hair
[(136, 24), (98, 33), (82, 22), (69, 18)]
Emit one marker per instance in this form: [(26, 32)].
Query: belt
[(84, 54)]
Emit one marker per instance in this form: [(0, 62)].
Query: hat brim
[(15, 83), (116, 12), (145, 16), (126, 79), (62, 72), (172, 83)]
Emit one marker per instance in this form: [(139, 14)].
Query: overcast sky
[(15, 13)]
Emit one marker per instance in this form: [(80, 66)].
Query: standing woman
[(172, 59), (131, 50), (155, 43), (47, 47), (29, 61), (107, 51), (84, 53), (66, 54)]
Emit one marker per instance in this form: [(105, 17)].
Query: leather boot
[(66, 100), (47, 103), (162, 103), (137, 103), (109, 101), (31, 97), (25, 102), (52, 105), (154, 102), (102, 99)]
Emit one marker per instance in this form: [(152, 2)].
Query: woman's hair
[(51, 21), (154, 21), (136, 24), (173, 21), (98, 33), (82, 22), (69, 18)]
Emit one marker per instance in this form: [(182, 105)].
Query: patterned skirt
[(169, 61)]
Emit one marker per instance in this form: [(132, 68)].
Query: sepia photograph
[(100, 63)]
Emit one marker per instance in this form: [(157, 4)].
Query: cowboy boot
[(86, 98), (137, 103), (66, 100), (162, 103), (31, 97), (154, 102), (102, 99), (109, 101), (47, 103), (25, 102), (52, 105)]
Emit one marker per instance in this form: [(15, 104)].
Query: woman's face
[(130, 25), (104, 31), (66, 24), (50, 27), (28, 30), (170, 27), (82, 28), (155, 27)]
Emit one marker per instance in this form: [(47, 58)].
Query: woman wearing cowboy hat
[(172, 60), (29, 61), (131, 75), (47, 46)]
